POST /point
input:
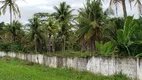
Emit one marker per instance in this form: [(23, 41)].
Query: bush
[(104, 49), (4, 47), (14, 47)]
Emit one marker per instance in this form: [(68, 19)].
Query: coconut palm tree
[(51, 29), (111, 26), (2, 30), (41, 14), (35, 32), (64, 16), (15, 29), (123, 3), (12, 6), (90, 24)]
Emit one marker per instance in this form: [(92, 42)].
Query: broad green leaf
[(120, 37)]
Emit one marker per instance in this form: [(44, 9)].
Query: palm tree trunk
[(124, 9), (53, 44), (92, 46), (46, 40), (49, 43), (35, 43), (63, 44), (40, 44), (10, 9), (83, 47)]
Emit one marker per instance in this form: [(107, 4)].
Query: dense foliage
[(92, 31)]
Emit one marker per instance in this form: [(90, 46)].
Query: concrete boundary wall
[(132, 67)]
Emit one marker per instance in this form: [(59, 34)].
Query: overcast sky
[(35, 6)]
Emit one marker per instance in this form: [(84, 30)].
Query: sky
[(30, 7)]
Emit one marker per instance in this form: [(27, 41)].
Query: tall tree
[(12, 6), (15, 29), (123, 3), (110, 28), (36, 37), (51, 29), (90, 24), (2, 31), (64, 16)]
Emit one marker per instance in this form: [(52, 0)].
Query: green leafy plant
[(139, 55), (104, 49), (124, 35), (4, 47), (14, 47)]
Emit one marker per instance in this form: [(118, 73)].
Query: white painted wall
[(132, 67), (50, 61), (2, 54), (139, 68)]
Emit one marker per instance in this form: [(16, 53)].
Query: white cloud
[(30, 7), (30, 2)]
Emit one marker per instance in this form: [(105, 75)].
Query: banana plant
[(104, 48), (124, 35)]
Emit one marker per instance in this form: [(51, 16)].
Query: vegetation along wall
[(132, 67)]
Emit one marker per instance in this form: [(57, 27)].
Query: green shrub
[(139, 55), (14, 47), (104, 48), (4, 47)]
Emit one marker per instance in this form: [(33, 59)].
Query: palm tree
[(123, 3), (63, 15), (35, 32), (2, 31), (52, 28), (111, 26), (42, 15), (13, 8), (15, 29), (90, 24)]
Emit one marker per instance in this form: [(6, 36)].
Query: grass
[(15, 69), (70, 54)]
